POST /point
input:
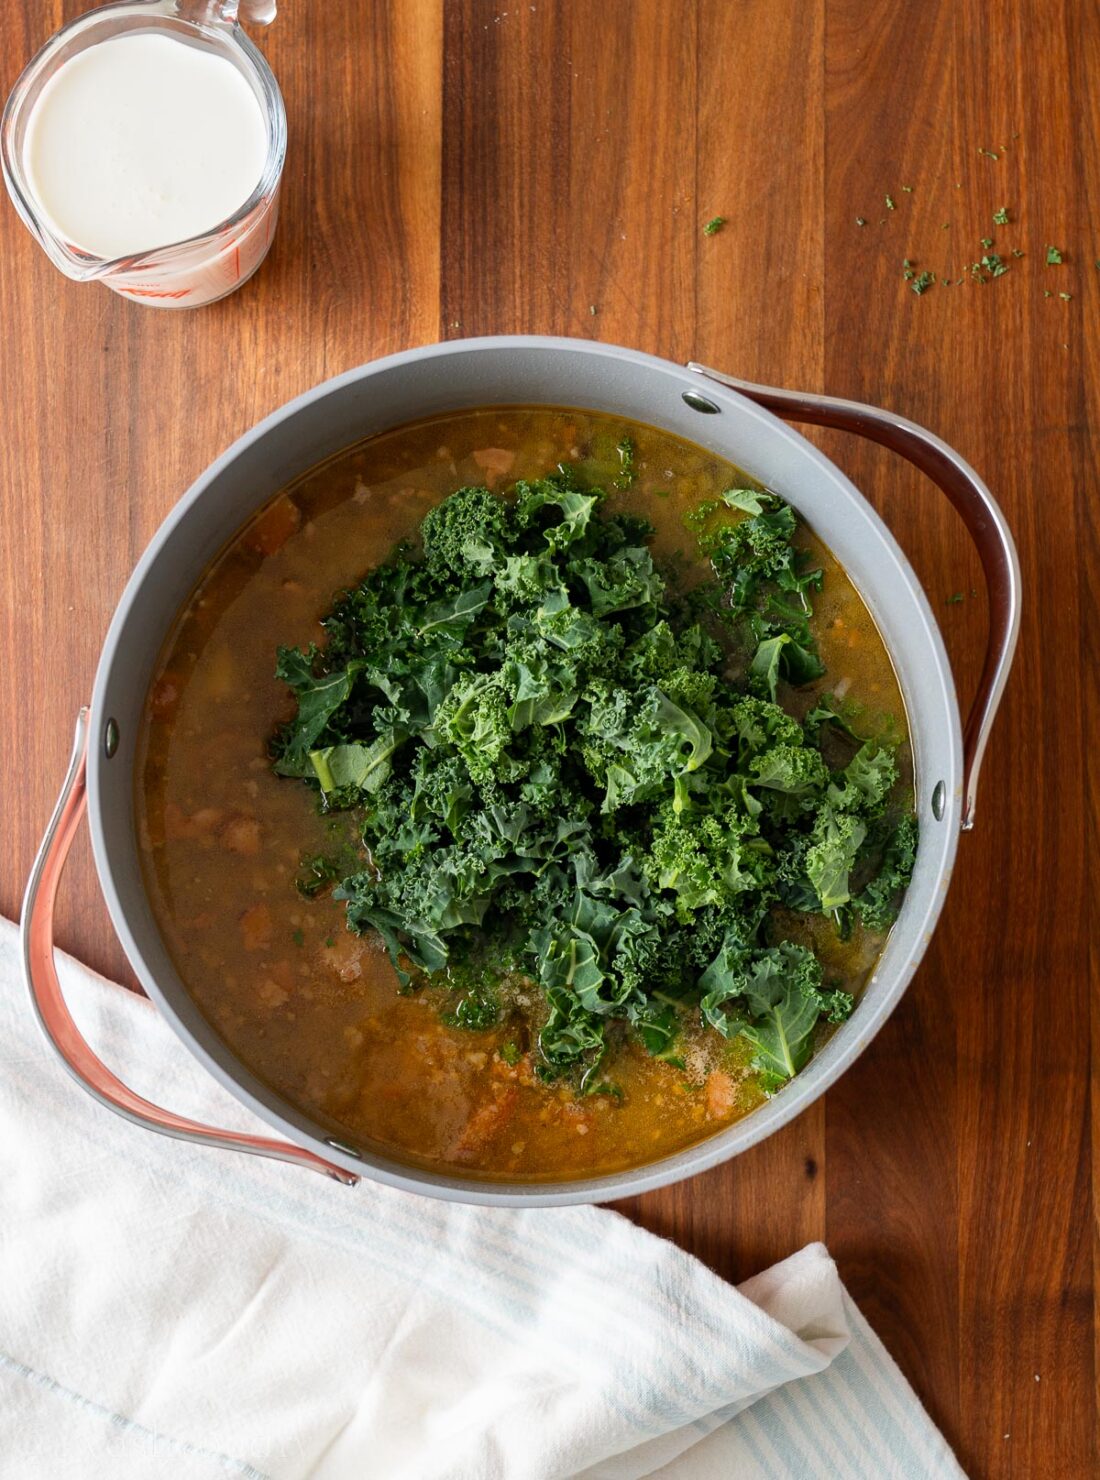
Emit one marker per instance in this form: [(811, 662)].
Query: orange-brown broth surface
[(313, 1010)]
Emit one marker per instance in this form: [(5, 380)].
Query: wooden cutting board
[(475, 168)]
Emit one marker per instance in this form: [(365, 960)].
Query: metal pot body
[(519, 371)]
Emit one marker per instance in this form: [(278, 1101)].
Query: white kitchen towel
[(171, 1311)]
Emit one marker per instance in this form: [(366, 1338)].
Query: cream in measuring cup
[(148, 154), (142, 141)]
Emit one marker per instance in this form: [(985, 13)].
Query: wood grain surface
[(472, 168)]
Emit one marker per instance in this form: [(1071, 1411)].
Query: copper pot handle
[(56, 1021), (980, 513)]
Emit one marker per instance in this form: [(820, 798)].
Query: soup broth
[(315, 1010)]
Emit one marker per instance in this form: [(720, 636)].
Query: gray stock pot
[(737, 421)]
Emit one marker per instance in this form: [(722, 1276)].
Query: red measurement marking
[(156, 292)]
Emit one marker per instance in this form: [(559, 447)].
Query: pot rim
[(826, 1066)]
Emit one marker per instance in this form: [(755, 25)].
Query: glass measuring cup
[(204, 268)]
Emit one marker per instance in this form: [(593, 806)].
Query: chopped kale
[(317, 872), (627, 470), (566, 773)]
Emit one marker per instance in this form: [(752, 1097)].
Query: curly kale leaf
[(318, 699), (778, 999), (828, 709), (834, 847), (877, 903), (638, 744), (706, 859), (866, 782), (766, 590), (466, 535), (361, 767)]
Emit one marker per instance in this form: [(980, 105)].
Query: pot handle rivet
[(699, 403), (939, 801), (110, 738), (344, 1147)]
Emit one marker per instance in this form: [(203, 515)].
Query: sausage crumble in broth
[(313, 1010)]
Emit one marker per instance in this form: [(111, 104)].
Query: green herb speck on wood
[(714, 226), (890, 203), (1000, 218), (922, 283), (1054, 256), (862, 221), (1065, 296), (954, 599)]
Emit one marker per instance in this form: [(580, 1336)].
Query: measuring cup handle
[(980, 513), (229, 12), (56, 1021)]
